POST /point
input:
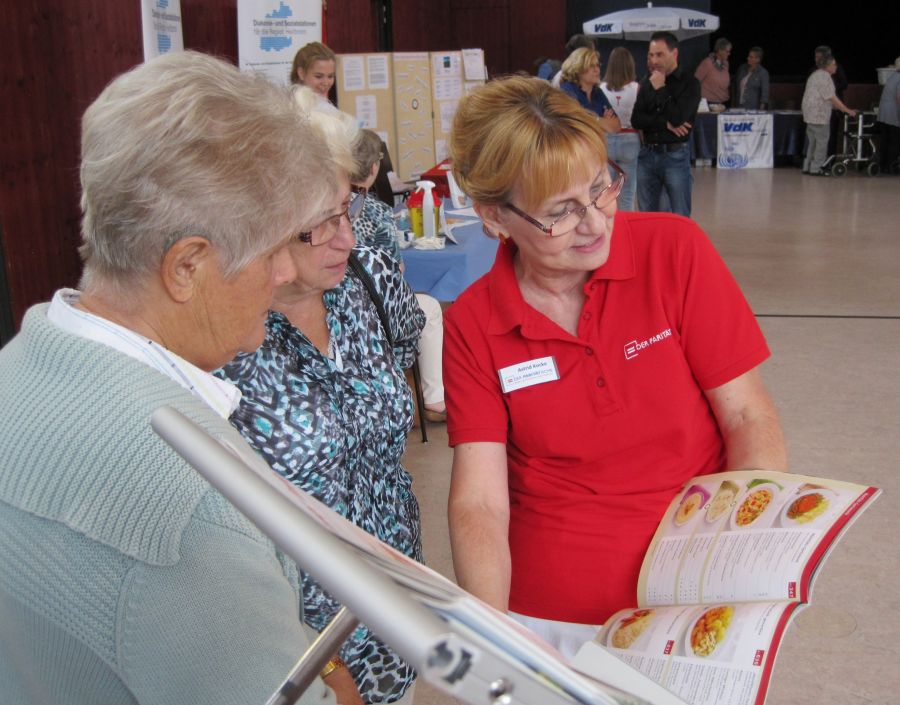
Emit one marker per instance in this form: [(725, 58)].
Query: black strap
[(363, 275)]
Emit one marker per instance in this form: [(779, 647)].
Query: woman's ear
[(493, 217), (184, 265)]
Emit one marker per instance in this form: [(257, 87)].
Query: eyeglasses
[(329, 227), (570, 220)]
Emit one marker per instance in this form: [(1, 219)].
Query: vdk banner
[(271, 31), (745, 141)]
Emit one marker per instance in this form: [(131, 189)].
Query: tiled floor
[(819, 261)]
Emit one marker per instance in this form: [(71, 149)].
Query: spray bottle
[(423, 209)]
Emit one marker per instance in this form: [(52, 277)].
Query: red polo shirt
[(596, 456)]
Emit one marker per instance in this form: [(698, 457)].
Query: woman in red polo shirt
[(604, 360)]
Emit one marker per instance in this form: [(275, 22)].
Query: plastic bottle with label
[(423, 201)]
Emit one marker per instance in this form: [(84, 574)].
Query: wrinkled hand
[(609, 113), (344, 687), (657, 79), (851, 112), (681, 130)]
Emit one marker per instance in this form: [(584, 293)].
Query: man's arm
[(683, 109), (764, 89), (648, 107), (478, 513), (749, 423)]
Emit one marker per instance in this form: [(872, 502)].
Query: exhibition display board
[(423, 91), (365, 89)]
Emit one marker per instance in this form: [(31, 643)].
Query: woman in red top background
[(605, 360)]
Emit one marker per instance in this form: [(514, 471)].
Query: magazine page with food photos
[(746, 536), (706, 655), (730, 565)]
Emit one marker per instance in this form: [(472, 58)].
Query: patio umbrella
[(640, 22)]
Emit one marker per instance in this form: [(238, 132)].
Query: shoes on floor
[(820, 172), (435, 416)]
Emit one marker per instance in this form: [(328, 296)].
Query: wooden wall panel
[(58, 54), (352, 26), (536, 29), (483, 26), (56, 57)]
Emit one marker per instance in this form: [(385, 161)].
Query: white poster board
[(271, 31), (745, 141), (161, 27)]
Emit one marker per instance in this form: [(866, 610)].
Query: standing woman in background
[(623, 147), (581, 80), (751, 84), (314, 67)]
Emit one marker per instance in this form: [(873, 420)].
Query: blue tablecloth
[(787, 140), (446, 273)]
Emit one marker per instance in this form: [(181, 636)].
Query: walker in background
[(858, 146)]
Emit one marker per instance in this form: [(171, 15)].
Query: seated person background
[(375, 226), (325, 399), (125, 578)]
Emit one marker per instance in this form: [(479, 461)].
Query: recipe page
[(746, 536), (706, 655)]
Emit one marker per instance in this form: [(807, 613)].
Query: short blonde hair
[(522, 136), (579, 61)]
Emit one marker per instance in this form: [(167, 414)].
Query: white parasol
[(640, 22)]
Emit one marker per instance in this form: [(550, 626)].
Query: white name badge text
[(527, 374)]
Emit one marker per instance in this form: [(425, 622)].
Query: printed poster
[(161, 27), (745, 141), (271, 31)]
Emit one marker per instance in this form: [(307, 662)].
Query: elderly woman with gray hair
[(127, 579)]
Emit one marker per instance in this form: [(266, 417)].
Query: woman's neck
[(305, 309), (558, 296)]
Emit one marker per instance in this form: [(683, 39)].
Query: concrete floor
[(819, 261)]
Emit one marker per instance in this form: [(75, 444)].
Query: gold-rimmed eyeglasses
[(569, 220), (329, 227)]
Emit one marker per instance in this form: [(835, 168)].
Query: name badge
[(527, 374)]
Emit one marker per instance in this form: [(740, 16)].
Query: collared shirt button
[(601, 382), (594, 285), (589, 351), (586, 315)]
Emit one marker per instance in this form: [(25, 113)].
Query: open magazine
[(731, 563)]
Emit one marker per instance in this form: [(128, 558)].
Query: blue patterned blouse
[(339, 434)]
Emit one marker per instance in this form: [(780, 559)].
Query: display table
[(787, 140), (445, 274)]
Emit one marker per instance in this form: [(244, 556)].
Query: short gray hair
[(722, 43), (824, 60), (187, 145)]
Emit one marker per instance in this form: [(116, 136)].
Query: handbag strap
[(363, 275)]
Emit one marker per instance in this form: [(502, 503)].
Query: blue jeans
[(623, 149), (658, 170)]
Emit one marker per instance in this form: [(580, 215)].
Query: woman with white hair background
[(126, 578)]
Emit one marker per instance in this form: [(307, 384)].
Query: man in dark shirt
[(665, 109)]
